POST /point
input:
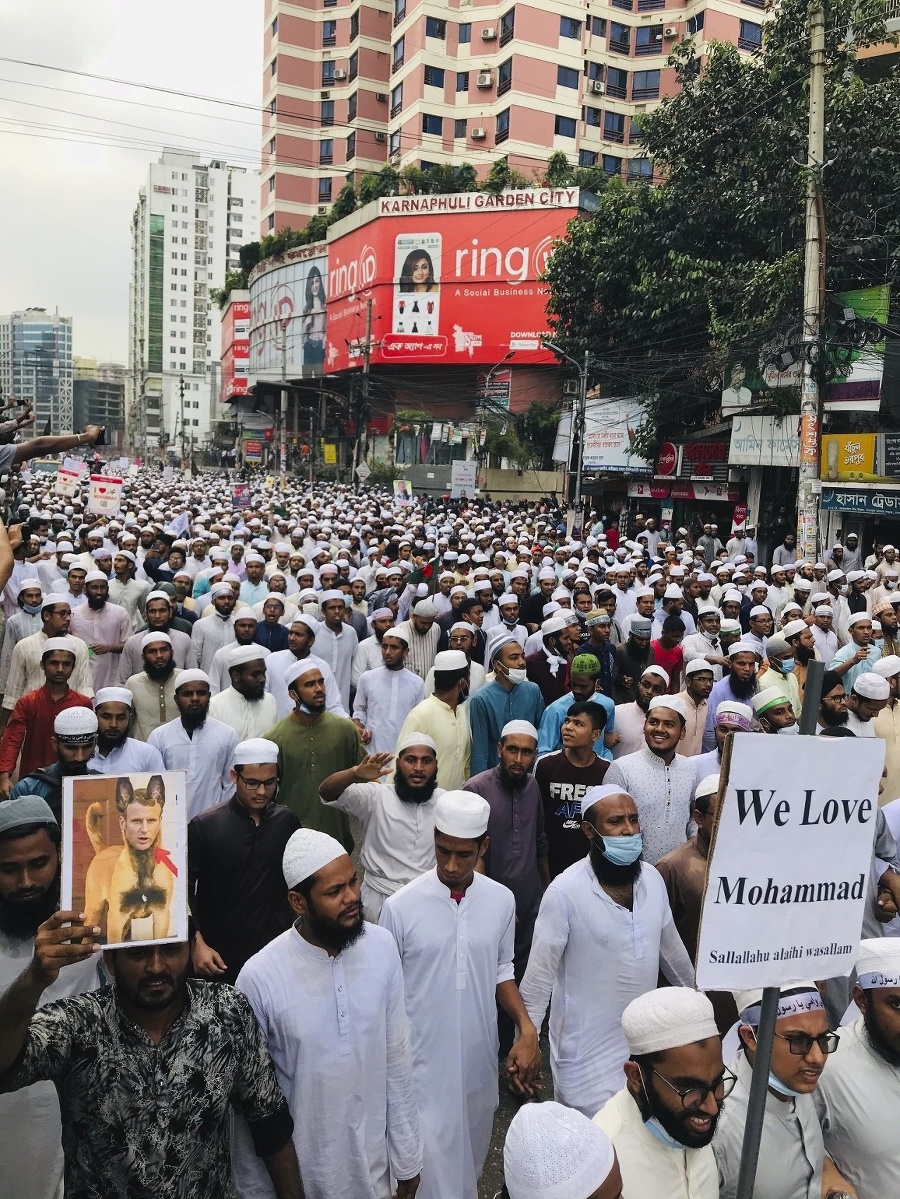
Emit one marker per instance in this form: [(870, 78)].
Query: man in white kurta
[(336, 1027), (198, 744), (860, 1088), (384, 698), (336, 642), (278, 663), (246, 705), (30, 1129), (594, 956), (456, 945)]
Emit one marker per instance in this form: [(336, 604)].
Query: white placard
[(463, 478), (790, 861), (104, 495), (67, 482)]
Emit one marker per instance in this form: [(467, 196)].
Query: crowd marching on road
[(450, 774)]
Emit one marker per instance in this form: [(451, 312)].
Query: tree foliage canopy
[(665, 283)]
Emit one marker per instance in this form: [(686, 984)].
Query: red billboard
[(453, 279), (236, 350)]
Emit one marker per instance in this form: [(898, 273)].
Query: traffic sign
[(363, 471)]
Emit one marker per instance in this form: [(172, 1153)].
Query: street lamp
[(578, 414)]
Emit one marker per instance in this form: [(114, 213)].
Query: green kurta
[(308, 754)]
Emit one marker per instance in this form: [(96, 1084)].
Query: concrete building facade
[(99, 397), (36, 365), (350, 85), (189, 224)]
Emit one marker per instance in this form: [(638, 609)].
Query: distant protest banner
[(68, 482), (104, 495), (790, 860)]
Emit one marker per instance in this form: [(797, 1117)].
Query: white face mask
[(517, 675)]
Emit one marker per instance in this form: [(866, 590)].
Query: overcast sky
[(66, 199)]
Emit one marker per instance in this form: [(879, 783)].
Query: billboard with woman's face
[(417, 292), (287, 314)]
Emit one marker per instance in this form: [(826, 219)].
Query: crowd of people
[(450, 775)]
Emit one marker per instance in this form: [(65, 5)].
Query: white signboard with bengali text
[(104, 495), (790, 861)]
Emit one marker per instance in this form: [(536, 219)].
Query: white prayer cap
[(759, 610), (887, 667), (878, 964), (658, 671), (333, 594), (823, 610), (732, 715), (673, 591), (707, 610), (522, 728), (254, 558), (508, 598), (75, 726), (294, 672), (667, 1019), (255, 751), (854, 575), (31, 581), (461, 814), (857, 617), (424, 608), (452, 659), (594, 795), (744, 647), (307, 851), (555, 1152), (729, 626), (399, 633), (769, 697), (834, 575), (554, 624), (792, 628), (414, 738), (151, 638), (670, 701), (731, 597), (163, 595), (496, 643), (795, 999), (113, 695), (697, 665), (871, 686), (193, 675), (709, 785), (59, 643), (241, 654), (95, 576), (546, 572), (314, 625), (274, 595)]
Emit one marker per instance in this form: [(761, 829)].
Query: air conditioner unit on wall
[(598, 87), (489, 35), (381, 97), (484, 79), (380, 135), (339, 74), (479, 134), (670, 31)]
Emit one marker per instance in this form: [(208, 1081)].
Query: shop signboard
[(891, 455), (849, 457), (764, 441), (253, 451), (609, 434), (871, 501)]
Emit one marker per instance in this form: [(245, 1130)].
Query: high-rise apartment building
[(99, 397), (188, 227), (36, 365), (350, 85)]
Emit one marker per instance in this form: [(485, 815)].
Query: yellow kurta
[(887, 727)]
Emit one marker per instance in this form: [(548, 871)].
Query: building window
[(617, 83), (459, 129), (434, 77), (327, 74), (648, 5), (502, 128), (750, 36), (326, 151), (398, 53), (648, 39), (634, 132), (592, 117), (432, 124), (587, 158), (435, 27), (327, 113), (465, 34), (271, 184), (594, 71), (394, 143), (628, 5), (565, 126), (272, 106), (613, 127), (273, 67), (695, 24), (598, 26), (569, 27), (353, 65), (611, 164), (640, 168), (504, 77), (351, 146), (329, 33), (462, 81), (272, 146), (354, 26), (351, 106), (275, 27), (396, 99), (619, 38), (566, 77), (507, 26), (645, 85)]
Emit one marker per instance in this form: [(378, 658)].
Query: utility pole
[(181, 409), (362, 416), (576, 428), (582, 415), (282, 423), (813, 296)]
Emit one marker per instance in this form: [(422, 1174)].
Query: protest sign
[(789, 861), (124, 855), (104, 495), (67, 482)]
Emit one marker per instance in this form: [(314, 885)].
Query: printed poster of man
[(403, 491), (125, 855), (417, 273)]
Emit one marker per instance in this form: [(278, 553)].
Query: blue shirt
[(549, 733), (490, 708)]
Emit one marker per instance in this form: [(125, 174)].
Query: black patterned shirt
[(147, 1121)]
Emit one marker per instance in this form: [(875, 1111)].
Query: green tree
[(665, 283), (502, 177)]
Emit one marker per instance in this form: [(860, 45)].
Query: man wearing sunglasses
[(235, 883), (792, 1152), (662, 1121)]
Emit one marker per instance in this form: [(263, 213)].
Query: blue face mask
[(775, 1084), (31, 609), (787, 665), (622, 851), (653, 1125)]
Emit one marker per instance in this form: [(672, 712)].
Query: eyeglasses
[(694, 1097), (800, 1043), (255, 784)]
